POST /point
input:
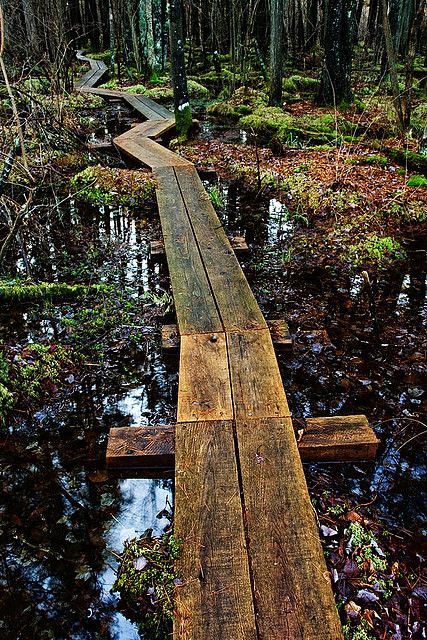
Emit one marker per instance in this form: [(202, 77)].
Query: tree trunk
[(178, 74), (335, 80), (391, 57), (410, 59), (276, 52)]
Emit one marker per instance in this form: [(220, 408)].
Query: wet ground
[(64, 521)]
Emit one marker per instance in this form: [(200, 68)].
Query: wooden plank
[(338, 438), (135, 102), (194, 303), (292, 588), (150, 153), (155, 106), (239, 245), (255, 377), (204, 391), (148, 129), (279, 331), (330, 439), (236, 302), (215, 599), (127, 446)]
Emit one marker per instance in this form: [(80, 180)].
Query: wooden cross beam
[(332, 439)]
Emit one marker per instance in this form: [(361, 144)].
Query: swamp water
[(64, 522)]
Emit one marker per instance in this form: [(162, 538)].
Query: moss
[(417, 181), (6, 397), (271, 120), (20, 293), (146, 583), (297, 83), (102, 185), (243, 102), (105, 56), (412, 160), (381, 161), (183, 123)]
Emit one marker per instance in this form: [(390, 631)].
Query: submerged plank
[(204, 391), (236, 303), (195, 306), (215, 600), (293, 595)]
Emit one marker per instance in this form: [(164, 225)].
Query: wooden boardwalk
[(252, 565)]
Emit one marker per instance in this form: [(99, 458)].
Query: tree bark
[(335, 80), (178, 74), (276, 52)]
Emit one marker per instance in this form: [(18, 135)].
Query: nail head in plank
[(215, 600), (255, 377), (204, 391), (293, 595)]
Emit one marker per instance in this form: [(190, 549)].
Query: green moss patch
[(380, 251), (20, 293), (103, 185), (417, 181)]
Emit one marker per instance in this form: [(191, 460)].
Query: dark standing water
[(64, 521)]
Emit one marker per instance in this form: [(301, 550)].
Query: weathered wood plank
[(135, 103), (255, 377), (127, 446), (280, 334), (236, 302), (331, 439), (215, 599), (148, 129), (155, 106), (195, 306), (150, 153), (338, 438), (293, 595), (204, 391)]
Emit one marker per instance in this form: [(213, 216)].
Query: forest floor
[(75, 362)]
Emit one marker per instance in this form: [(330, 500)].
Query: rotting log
[(327, 439)]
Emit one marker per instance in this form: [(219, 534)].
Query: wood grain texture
[(255, 377), (135, 102), (338, 438), (215, 600), (236, 303), (128, 446), (293, 595), (280, 334), (194, 303), (150, 153), (204, 391), (148, 129), (331, 439)]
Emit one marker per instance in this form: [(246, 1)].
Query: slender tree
[(335, 79), (276, 52), (178, 74)]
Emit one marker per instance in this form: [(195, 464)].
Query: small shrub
[(380, 251), (102, 185)]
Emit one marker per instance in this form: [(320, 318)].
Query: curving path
[(252, 564)]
